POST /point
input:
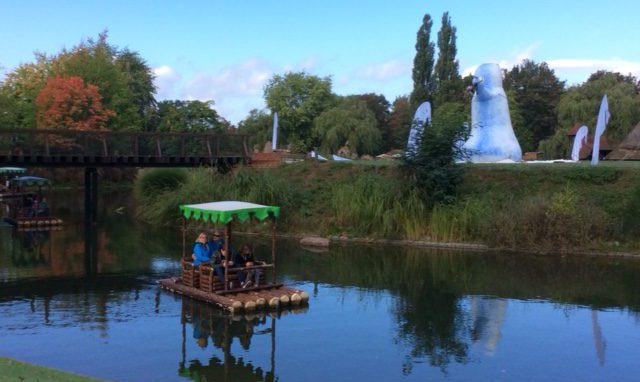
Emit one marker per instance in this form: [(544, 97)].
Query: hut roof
[(574, 130), (629, 148)]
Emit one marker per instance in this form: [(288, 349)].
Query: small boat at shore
[(219, 282), (26, 206)]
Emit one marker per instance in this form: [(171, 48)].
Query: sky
[(226, 51)]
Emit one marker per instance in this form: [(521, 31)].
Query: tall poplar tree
[(449, 86), (423, 65)]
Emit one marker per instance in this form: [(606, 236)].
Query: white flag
[(274, 140), (420, 119), (603, 119), (578, 141)]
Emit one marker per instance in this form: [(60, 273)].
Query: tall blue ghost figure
[(492, 138)]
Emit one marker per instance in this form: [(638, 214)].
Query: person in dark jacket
[(244, 258), (216, 241)]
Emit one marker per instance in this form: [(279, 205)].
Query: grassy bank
[(543, 207), (15, 371)]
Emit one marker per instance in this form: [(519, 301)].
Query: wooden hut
[(629, 149)]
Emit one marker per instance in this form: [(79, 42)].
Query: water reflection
[(427, 314), (211, 328)]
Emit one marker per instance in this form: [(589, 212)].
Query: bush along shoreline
[(538, 208)]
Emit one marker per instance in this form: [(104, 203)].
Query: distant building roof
[(629, 149)]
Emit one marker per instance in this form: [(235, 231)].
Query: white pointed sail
[(274, 140), (420, 119), (601, 125), (578, 141), (339, 158)]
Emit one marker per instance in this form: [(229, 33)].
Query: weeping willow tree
[(351, 124)]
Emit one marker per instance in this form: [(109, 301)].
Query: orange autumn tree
[(67, 102)]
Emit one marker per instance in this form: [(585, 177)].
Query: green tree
[(400, 122), (523, 134), (298, 98), (191, 116), (95, 62), (433, 167), (537, 91), (19, 90), (139, 79), (259, 125), (449, 86), (580, 104), (380, 107), (122, 76), (423, 84), (351, 124)]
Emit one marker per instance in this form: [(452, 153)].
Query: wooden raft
[(24, 222), (237, 301)]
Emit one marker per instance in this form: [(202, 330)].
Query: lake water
[(375, 313)]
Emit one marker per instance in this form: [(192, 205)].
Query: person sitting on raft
[(244, 258), (216, 242), (201, 251), (218, 262)]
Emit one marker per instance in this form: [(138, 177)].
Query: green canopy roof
[(224, 212), (12, 170), (30, 181)]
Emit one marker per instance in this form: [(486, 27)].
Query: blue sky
[(227, 50)]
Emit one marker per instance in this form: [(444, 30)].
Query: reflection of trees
[(431, 317)]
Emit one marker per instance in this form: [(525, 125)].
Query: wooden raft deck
[(244, 300)]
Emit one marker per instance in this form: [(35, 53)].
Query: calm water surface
[(378, 314)]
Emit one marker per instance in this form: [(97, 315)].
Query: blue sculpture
[(492, 138)]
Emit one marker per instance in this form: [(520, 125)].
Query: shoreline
[(467, 247), (14, 370)]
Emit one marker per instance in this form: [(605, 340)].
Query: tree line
[(96, 85), (92, 86)]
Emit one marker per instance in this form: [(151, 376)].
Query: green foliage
[(380, 107), (581, 104), (523, 134), (448, 83), (139, 79), (560, 223), (123, 79), (400, 122), (19, 90), (350, 124), (298, 98), (423, 84), (537, 91), (191, 116), (152, 183), (433, 166), (161, 192), (259, 125)]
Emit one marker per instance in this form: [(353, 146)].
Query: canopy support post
[(273, 249), (227, 237), (184, 238)]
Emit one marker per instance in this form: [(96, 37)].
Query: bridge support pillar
[(91, 220)]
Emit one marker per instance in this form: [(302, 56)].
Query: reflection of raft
[(236, 301)]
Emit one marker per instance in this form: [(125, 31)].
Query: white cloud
[(166, 81), (384, 71), (235, 89), (588, 66), (572, 69), (512, 59)]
